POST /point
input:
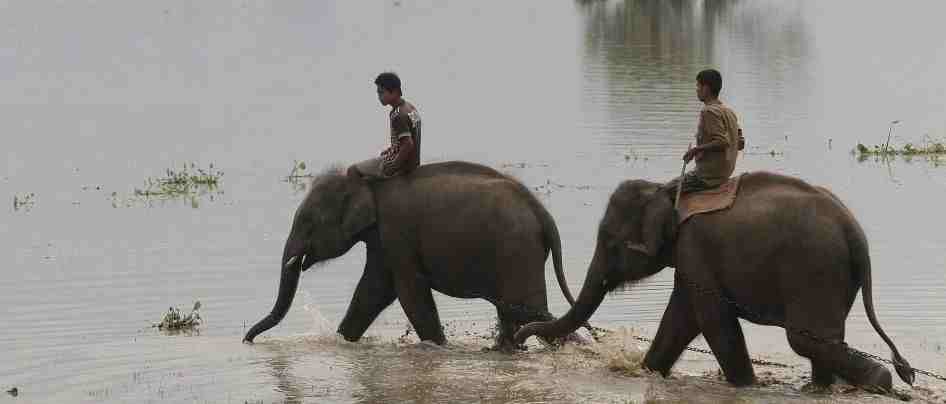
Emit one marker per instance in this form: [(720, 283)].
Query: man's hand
[(695, 152)]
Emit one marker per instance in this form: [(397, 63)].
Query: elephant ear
[(359, 206), (656, 223)]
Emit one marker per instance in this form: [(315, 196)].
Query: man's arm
[(394, 161), (713, 127)]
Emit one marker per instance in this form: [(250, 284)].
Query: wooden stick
[(676, 203)]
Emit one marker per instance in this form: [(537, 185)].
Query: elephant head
[(326, 225), (633, 242)]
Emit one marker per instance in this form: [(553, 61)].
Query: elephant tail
[(861, 260), (554, 241)]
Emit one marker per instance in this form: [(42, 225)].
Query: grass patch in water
[(299, 176), (175, 320), (186, 181), (299, 172), (929, 149), (23, 201), (189, 183)]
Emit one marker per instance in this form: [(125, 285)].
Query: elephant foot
[(868, 375), (878, 380)]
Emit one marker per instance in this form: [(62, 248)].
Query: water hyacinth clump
[(21, 201), (187, 181), (929, 149), (298, 171), (176, 320)]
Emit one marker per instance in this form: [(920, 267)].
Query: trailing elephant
[(462, 229), (786, 253)]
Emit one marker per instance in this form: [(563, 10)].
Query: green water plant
[(298, 172), (24, 201), (186, 181), (189, 183), (929, 148), (176, 320), (299, 175)]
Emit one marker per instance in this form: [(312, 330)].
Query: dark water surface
[(570, 96)]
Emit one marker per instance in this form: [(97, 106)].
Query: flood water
[(571, 97)]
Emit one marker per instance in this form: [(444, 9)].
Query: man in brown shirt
[(403, 155), (718, 139)]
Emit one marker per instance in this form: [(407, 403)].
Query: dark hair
[(389, 81), (712, 78)]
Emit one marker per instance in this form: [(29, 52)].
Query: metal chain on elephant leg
[(520, 309), (596, 332), (753, 315)]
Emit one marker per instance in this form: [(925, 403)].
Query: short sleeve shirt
[(405, 121), (719, 123)]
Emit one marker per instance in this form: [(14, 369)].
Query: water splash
[(320, 324)]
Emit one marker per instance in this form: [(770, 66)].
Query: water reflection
[(641, 58)]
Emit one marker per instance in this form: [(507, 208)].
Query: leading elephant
[(786, 253), (462, 229)]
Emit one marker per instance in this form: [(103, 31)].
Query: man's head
[(708, 84), (389, 88)]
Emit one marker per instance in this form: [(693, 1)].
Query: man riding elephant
[(718, 139), (463, 229), (403, 155)]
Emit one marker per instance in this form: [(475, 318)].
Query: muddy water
[(571, 97)]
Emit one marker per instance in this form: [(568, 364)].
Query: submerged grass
[(299, 176), (189, 183), (24, 201), (928, 149), (182, 182), (298, 172), (176, 320)]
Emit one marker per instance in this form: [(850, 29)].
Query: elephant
[(786, 253), (462, 229)]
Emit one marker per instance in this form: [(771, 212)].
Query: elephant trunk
[(287, 291), (591, 296)]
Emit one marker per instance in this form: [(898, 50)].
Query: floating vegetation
[(24, 201), (523, 165), (184, 182), (771, 152), (928, 149), (933, 152), (189, 183), (299, 175), (176, 320), (631, 154), (549, 186), (298, 172)]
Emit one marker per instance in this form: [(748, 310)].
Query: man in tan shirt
[(718, 139), (403, 155)]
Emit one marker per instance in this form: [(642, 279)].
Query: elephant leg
[(374, 293), (508, 325), (514, 312), (821, 374), (834, 358), (417, 300), (678, 328), (722, 331), (425, 318)]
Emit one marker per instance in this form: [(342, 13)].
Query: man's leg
[(690, 182), (370, 169)]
